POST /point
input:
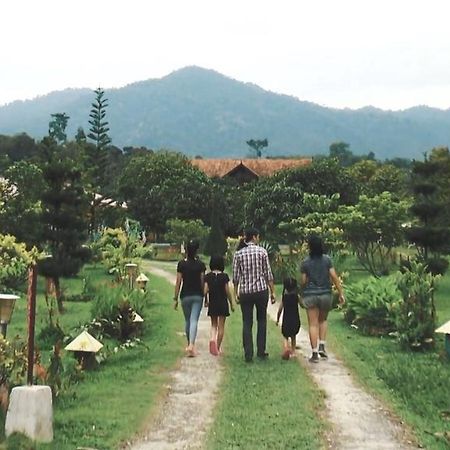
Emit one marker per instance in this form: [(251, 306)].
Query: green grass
[(265, 404), (415, 385), (113, 402)]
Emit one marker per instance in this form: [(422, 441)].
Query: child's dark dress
[(218, 303), (291, 316)]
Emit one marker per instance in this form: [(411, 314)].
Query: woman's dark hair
[(241, 244), (217, 262), (250, 233), (191, 249), (315, 245), (289, 285)]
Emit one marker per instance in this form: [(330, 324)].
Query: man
[(252, 279)]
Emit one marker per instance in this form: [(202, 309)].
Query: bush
[(114, 309), (415, 314), (369, 305)]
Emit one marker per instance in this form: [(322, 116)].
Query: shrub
[(369, 305), (415, 315)]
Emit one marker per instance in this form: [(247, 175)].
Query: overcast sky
[(392, 54)]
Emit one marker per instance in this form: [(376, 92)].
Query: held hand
[(272, 298), (341, 300)]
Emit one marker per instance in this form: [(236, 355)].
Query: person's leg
[(186, 305), (293, 345), (325, 306), (313, 324), (261, 300), (213, 333), (247, 326), (220, 331), (286, 350), (196, 309)]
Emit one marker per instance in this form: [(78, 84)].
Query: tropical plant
[(369, 305), (415, 315), (182, 231)]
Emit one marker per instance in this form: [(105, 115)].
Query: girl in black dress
[(217, 296), (291, 316)]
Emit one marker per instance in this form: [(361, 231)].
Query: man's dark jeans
[(248, 302)]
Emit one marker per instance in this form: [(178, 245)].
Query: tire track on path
[(186, 414), (360, 422)]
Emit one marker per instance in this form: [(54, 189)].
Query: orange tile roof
[(218, 168)]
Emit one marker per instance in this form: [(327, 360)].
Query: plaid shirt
[(251, 269)]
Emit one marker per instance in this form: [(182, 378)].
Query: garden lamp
[(131, 269), (445, 329), (85, 347), (141, 281), (7, 302)]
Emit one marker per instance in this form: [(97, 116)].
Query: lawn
[(265, 404), (414, 384), (113, 402)]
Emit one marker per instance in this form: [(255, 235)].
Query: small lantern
[(445, 329), (137, 318), (85, 347), (7, 302), (141, 281), (131, 270)]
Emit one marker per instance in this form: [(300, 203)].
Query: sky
[(391, 54)]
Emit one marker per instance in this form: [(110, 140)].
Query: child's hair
[(217, 262), (289, 285)]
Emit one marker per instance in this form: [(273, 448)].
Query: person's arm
[(205, 294), (280, 310), (268, 275), (236, 277), (337, 283), (177, 290), (229, 296)]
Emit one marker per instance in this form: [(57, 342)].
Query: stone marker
[(30, 412)]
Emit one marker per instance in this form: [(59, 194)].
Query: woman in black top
[(217, 296), (190, 277)]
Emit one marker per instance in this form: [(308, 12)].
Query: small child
[(217, 296), (291, 316)]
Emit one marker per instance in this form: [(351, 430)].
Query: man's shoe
[(314, 358), (322, 353), (248, 359), (263, 356)]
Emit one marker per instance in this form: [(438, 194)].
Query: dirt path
[(186, 413), (359, 421)]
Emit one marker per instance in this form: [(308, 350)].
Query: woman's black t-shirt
[(191, 270)]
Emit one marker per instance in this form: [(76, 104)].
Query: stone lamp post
[(131, 270), (141, 281), (445, 329), (7, 302)]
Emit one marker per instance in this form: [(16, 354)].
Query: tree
[(64, 208), (98, 131), (216, 244), (57, 127), (20, 207), (182, 231), (164, 185), (374, 226), (257, 145), (431, 232)]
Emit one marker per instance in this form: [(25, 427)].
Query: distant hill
[(201, 112)]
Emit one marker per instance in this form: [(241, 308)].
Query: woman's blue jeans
[(192, 307)]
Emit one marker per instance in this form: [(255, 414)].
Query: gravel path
[(187, 412), (359, 421)]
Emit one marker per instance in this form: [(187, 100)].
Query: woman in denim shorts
[(317, 274)]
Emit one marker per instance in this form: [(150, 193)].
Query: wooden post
[(31, 301)]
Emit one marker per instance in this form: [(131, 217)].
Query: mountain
[(201, 112)]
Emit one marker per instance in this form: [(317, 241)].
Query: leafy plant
[(13, 361), (369, 305), (415, 315)]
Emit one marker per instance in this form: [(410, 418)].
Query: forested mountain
[(201, 112)]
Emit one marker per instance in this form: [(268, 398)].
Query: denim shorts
[(321, 301)]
